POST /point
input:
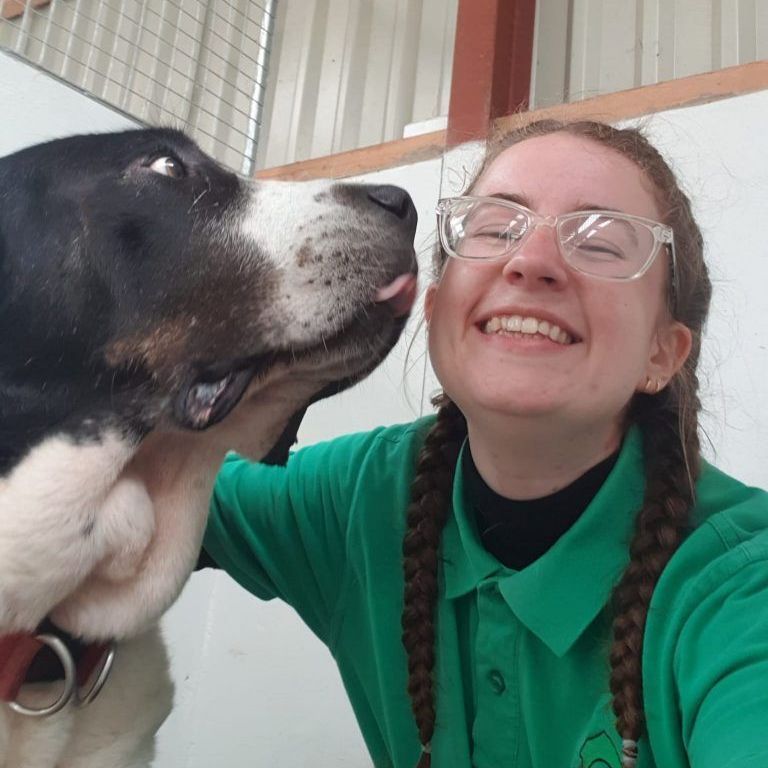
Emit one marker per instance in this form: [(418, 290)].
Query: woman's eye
[(497, 232), (493, 233), (168, 166), (600, 251)]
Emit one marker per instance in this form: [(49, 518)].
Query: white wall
[(254, 687), (719, 151), (34, 107)]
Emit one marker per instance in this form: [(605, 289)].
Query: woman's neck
[(528, 459)]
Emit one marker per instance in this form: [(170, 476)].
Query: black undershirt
[(518, 532)]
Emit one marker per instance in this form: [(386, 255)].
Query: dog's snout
[(393, 199)]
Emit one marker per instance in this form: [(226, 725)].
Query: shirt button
[(497, 682)]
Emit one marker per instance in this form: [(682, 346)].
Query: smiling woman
[(574, 584), (617, 327)]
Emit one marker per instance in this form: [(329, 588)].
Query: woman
[(579, 587)]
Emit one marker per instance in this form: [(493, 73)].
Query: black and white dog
[(156, 311)]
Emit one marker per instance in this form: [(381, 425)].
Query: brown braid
[(669, 425), (427, 513), (659, 529)]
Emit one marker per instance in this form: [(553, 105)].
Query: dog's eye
[(168, 166)]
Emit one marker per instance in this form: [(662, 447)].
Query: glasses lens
[(606, 246), (479, 229)]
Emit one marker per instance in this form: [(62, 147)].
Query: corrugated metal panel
[(188, 63), (351, 73), (584, 48)]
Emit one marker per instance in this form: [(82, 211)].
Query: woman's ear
[(669, 352)]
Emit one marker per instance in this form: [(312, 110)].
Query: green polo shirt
[(522, 657)]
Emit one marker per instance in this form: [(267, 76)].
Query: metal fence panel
[(353, 73), (190, 64), (585, 48)]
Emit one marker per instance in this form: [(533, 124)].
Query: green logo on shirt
[(599, 752)]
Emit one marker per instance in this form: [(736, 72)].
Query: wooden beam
[(612, 107), (14, 8), (492, 61), (648, 99), (354, 162)]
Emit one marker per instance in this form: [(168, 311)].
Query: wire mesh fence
[(196, 65)]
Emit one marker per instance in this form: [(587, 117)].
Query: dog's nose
[(393, 199)]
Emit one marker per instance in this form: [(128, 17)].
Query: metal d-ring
[(101, 678), (65, 657)]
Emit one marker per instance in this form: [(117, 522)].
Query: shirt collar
[(558, 595)]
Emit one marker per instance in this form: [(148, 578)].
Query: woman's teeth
[(528, 326)]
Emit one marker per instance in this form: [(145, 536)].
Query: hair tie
[(628, 753), (425, 760)]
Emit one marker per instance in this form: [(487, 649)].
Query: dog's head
[(143, 283), (157, 310)]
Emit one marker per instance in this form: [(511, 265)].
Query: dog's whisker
[(198, 198)]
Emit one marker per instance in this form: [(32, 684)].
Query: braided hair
[(668, 421)]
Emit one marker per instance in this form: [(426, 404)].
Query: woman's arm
[(277, 456), (721, 668)]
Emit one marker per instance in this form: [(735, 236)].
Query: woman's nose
[(537, 261)]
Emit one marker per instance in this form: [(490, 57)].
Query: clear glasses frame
[(661, 233)]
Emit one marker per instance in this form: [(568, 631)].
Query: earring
[(628, 753), (653, 386)]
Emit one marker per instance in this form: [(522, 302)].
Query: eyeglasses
[(605, 244)]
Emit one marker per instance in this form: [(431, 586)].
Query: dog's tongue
[(399, 295)]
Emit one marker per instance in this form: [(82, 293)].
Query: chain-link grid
[(196, 65)]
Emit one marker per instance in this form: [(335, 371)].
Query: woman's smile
[(528, 325)]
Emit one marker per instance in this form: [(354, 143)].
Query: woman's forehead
[(565, 172)]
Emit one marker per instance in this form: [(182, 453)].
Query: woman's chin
[(528, 402)]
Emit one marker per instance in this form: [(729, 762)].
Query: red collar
[(25, 658), (17, 652)]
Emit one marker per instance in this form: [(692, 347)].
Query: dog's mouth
[(208, 396), (211, 392)]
